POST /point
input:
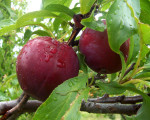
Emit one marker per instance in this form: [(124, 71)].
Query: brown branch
[(73, 36), (116, 108), (29, 107), (78, 26), (129, 69), (16, 109), (91, 107), (118, 99), (98, 77)]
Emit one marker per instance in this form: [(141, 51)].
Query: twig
[(29, 107), (118, 99), (97, 77), (78, 26), (116, 108), (129, 69), (16, 109), (91, 107)]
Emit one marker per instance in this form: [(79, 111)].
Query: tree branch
[(30, 106), (118, 99), (16, 109), (91, 107), (116, 108)]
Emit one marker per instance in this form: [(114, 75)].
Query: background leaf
[(85, 5), (111, 88), (60, 8), (27, 35), (41, 33), (37, 14), (145, 8), (146, 35), (93, 24), (62, 2)]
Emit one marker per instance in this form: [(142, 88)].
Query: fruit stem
[(73, 35), (77, 26)]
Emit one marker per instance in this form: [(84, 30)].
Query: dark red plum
[(98, 54), (43, 64)]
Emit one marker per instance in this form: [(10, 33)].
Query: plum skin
[(43, 64), (98, 54)]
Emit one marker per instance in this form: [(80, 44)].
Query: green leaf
[(3, 96), (74, 112), (121, 23), (134, 48), (60, 99), (7, 29), (13, 27), (60, 8), (62, 2), (144, 52), (142, 75), (82, 63), (106, 5), (37, 14), (123, 65), (58, 21), (6, 22), (145, 8), (85, 6), (41, 33), (27, 35), (93, 24), (4, 11), (8, 3), (145, 28), (143, 112), (111, 88)]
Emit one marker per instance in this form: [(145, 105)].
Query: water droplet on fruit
[(41, 59), (47, 57), (55, 42), (62, 47), (53, 50), (48, 46), (60, 63), (121, 24)]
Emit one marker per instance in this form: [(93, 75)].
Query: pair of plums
[(44, 63)]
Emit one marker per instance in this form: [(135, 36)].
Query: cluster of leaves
[(125, 19), (9, 87)]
